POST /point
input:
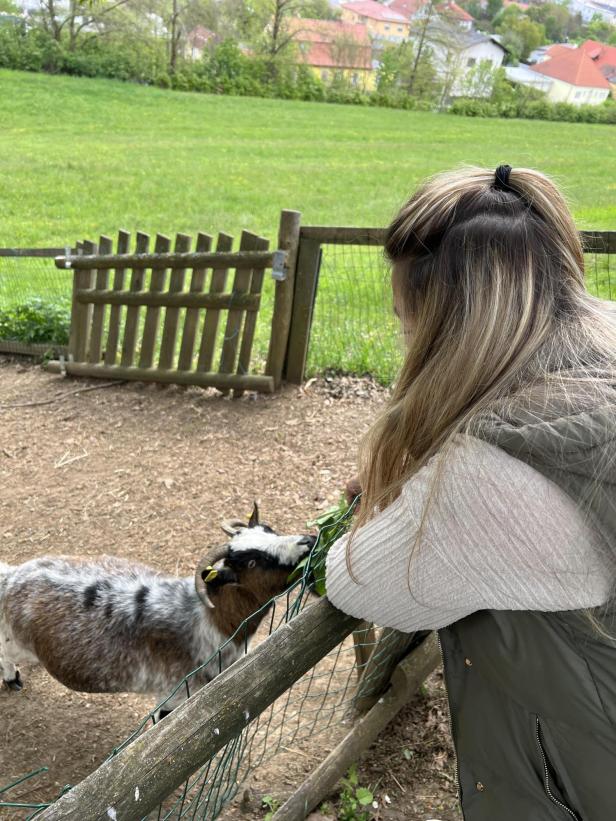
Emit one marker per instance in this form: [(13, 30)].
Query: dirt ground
[(149, 473)]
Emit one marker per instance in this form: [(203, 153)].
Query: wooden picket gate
[(118, 329)]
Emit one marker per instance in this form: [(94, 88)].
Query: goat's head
[(255, 556)]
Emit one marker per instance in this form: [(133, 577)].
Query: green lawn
[(81, 157)]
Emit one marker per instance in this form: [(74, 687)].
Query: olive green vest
[(533, 695)]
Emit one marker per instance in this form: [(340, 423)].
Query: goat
[(111, 626)]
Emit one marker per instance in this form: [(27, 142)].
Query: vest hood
[(577, 451)]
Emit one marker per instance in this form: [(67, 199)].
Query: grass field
[(81, 157)]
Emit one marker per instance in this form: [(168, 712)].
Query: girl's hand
[(352, 490)]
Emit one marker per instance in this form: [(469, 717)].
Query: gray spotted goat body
[(110, 625)]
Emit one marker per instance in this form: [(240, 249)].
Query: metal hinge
[(278, 270)]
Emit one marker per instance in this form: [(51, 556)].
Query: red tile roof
[(407, 8), (602, 56), (520, 5), (332, 43), (572, 66), (556, 49), (374, 10), (452, 9)]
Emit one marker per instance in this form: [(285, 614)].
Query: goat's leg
[(8, 671)]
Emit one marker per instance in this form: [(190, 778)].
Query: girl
[(489, 492)]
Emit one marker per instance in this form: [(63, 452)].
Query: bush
[(36, 321), (227, 70)]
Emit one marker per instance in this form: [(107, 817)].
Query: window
[(325, 76), (578, 94), (400, 28), (471, 61), (354, 79), (386, 28)]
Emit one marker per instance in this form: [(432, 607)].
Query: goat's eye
[(252, 563)]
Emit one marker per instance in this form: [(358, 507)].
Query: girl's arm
[(496, 535)]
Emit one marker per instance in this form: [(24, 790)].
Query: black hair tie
[(501, 178)]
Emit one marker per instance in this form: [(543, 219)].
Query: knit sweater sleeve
[(477, 530)]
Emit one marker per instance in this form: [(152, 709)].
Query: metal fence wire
[(354, 329), (317, 704)]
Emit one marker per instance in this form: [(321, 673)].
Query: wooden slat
[(105, 246), (150, 327), (594, 241), (241, 284), (163, 299), (306, 280), (33, 252), (249, 259), (115, 314), (250, 323), (172, 314), (32, 348), (131, 325), (218, 284), (191, 320), (81, 313), (334, 235), (288, 240), (224, 382)]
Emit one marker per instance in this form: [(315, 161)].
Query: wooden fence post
[(306, 278), (288, 240)]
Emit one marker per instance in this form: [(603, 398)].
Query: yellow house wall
[(366, 78), (561, 92), (378, 28)]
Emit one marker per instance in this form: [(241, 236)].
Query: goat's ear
[(254, 516)]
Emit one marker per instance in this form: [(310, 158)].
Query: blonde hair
[(490, 286)]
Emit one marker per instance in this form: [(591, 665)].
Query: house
[(458, 56), (518, 3), (333, 48), (575, 78), (381, 22), (588, 9), (454, 13), (604, 57), (197, 40)]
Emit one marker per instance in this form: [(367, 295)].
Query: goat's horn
[(231, 526), (207, 563)]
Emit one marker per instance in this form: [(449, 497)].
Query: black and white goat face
[(254, 552)]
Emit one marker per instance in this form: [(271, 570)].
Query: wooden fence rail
[(160, 760)]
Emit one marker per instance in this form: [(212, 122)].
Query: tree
[(8, 7), (560, 25), (399, 70), (59, 20), (494, 8), (599, 29), (520, 34)]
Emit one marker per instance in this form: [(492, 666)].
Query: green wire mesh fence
[(354, 329), (319, 703)]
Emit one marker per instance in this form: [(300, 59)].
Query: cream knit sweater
[(497, 535)]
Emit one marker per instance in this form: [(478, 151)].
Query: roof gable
[(374, 10), (574, 67)]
